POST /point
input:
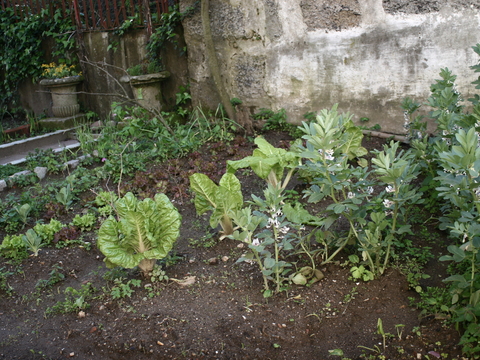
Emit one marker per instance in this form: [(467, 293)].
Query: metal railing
[(92, 15)]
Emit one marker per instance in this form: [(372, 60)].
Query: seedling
[(33, 241)]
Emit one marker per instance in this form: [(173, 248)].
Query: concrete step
[(17, 151)]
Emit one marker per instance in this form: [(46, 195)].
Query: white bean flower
[(388, 203)]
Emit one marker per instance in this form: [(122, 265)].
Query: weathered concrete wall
[(305, 55)]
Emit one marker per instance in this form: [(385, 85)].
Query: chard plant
[(143, 232), (222, 199), (269, 163)]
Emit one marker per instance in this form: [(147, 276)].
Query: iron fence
[(91, 15)]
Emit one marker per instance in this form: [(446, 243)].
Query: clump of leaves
[(65, 235), (13, 247), (33, 241), (75, 300), (221, 199), (144, 232), (47, 231), (122, 290), (85, 222)]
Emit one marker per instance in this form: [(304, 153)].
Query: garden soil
[(222, 313)]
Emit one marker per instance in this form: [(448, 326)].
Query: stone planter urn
[(65, 102), (146, 89)]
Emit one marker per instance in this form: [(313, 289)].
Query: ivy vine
[(22, 55), (167, 32)]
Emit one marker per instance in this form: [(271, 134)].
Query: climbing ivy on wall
[(22, 56), (167, 31)]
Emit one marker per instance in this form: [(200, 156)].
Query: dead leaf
[(188, 280)]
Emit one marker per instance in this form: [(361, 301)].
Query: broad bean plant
[(451, 160), (373, 202)]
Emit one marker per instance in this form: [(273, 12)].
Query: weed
[(121, 290), (75, 300), (54, 277)]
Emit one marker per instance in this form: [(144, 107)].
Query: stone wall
[(305, 55), (102, 69)]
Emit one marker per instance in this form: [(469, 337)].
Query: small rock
[(225, 258), (72, 164), (97, 125), (3, 185), (240, 246), (81, 314), (160, 343), (72, 354), (41, 172), (212, 261)]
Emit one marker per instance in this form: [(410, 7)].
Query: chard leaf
[(204, 189), (117, 252)]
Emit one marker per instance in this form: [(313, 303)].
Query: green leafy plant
[(267, 233), (54, 277), (332, 142), (47, 231), (4, 286), (144, 69), (44, 158), (269, 163), (221, 199), (65, 196), (13, 247), (158, 274), (85, 222), (22, 54), (75, 300), (360, 272), (23, 212), (121, 290), (8, 169), (144, 232), (167, 32), (33, 241), (451, 159)]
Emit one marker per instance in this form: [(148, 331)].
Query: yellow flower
[(54, 71)]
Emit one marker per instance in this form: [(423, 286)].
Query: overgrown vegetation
[(22, 55)]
